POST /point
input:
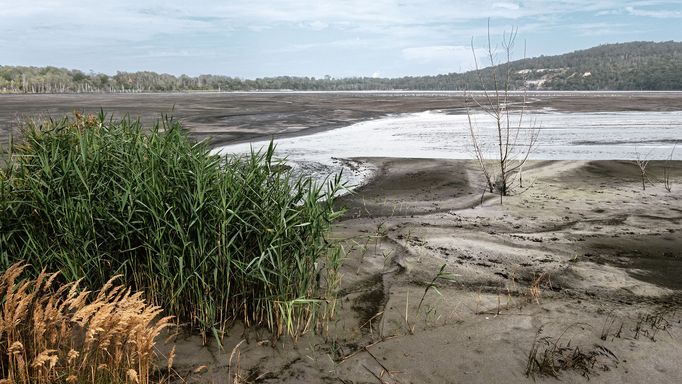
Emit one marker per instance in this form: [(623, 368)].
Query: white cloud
[(316, 14), (610, 12), (410, 21), (64, 21), (508, 6), (659, 14), (315, 25)]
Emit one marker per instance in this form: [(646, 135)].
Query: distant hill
[(626, 66)]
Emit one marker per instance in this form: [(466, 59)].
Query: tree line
[(625, 66)]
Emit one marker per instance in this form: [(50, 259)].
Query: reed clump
[(69, 335), (210, 239)]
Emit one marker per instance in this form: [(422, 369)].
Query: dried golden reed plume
[(69, 335)]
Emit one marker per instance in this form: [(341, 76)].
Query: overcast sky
[(256, 38)]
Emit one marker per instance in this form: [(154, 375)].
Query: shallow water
[(435, 134)]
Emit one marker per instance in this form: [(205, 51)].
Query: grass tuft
[(67, 335), (549, 356), (210, 239)]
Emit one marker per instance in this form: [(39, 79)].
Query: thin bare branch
[(515, 135)]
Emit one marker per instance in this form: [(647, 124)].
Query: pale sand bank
[(609, 253)]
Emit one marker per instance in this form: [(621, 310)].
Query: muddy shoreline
[(583, 256), (225, 118)]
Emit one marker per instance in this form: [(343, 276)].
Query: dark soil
[(236, 117)]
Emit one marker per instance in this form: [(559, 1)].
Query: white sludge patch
[(434, 134)]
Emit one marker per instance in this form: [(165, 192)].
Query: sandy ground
[(604, 257)]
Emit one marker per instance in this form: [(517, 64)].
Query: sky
[(259, 38)]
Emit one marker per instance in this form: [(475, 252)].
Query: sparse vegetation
[(647, 324), (209, 239), (68, 335), (650, 324), (550, 356)]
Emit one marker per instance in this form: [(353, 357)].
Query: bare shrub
[(515, 134), (642, 161)]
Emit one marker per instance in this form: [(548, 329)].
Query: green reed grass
[(211, 239)]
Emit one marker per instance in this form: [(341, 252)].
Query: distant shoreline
[(398, 92)]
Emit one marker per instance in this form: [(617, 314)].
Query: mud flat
[(584, 256), (237, 117), (441, 135)]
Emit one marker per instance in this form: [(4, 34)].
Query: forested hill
[(626, 66)]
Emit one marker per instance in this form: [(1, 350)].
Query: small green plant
[(431, 285), (380, 234), (441, 275)]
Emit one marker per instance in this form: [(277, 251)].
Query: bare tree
[(667, 180), (642, 162), (514, 134)]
